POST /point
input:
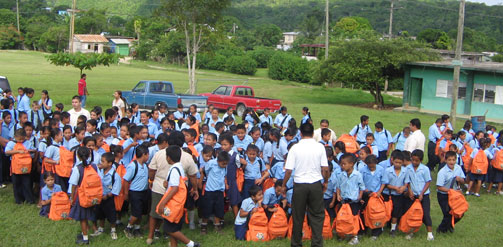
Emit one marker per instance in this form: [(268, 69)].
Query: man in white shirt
[(324, 125), (77, 111), (309, 160), (416, 139)]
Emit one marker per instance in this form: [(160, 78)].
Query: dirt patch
[(373, 106)]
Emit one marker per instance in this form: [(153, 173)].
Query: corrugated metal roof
[(91, 38), (481, 66), (120, 41)]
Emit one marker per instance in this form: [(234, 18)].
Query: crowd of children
[(108, 167)]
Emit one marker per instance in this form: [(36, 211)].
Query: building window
[(444, 89), (484, 93)]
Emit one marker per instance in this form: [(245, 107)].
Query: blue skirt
[(79, 213), (233, 193)]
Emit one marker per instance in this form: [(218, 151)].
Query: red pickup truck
[(239, 98)]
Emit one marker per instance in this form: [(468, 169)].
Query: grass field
[(21, 225)]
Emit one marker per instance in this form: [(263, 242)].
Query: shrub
[(285, 66), (242, 65), (261, 55)]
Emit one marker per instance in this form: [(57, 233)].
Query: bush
[(285, 66), (497, 58), (395, 84), (261, 55), (230, 51), (202, 60), (242, 65), (209, 61)]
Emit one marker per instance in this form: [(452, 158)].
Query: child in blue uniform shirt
[(418, 183), (21, 182), (256, 139), (361, 130), (255, 171), (400, 138), (349, 187), (241, 139), (248, 207), (111, 182), (46, 193), (213, 200), (446, 179), (282, 119), (136, 178), (383, 141), (272, 196), (131, 144), (396, 188)]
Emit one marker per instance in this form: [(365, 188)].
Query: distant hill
[(410, 15)]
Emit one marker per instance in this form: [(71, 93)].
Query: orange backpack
[(466, 158), (458, 204), (350, 143), (389, 208), (240, 178), (174, 209), (346, 223), (106, 147), (306, 230), (90, 190), (119, 200), (46, 167), (375, 213), (60, 206), (412, 220), (493, 139), (257, 226), (479, 163), (327, 228), (446, 147), (64, 168), (21, 163), (121, 142), (278, 224), (497, 162)]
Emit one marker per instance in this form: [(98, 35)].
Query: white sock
[(192, 215), (112, 229), (393, 226), (136, 227), (430, 234), (85, 237), (129, 225), (190, 244)]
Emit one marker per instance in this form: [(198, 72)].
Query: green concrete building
[(120, 46), (428, 88)]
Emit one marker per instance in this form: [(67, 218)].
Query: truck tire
[(240, 109)]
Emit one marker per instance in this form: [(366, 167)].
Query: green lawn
[(21, 225)]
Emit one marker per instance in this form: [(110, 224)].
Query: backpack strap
[(169, 175), (398, 138), (81, 171), (386, 133), (357, 129), (113, 178), (135, 171), (452, 183), (284, 119)]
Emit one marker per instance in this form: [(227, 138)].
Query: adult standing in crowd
[(416, 139), (119, 103), (83, 90), (77, 110), (324, 125), (309, 160)]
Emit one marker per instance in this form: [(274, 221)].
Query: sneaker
[(354, 241), (197, 244), (157, 234), (204, 229), (113, 235), (137, 233), (430, 238), (2, 186), (82, 241), (409, 236), (373, 238), (392, 233), (477, 194), (149, 241), (500, 193), (97, 233), (192, 226), (484, 186), (467, 193), (129, 232)]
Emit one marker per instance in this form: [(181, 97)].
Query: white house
[(88, 43), (288, 39)]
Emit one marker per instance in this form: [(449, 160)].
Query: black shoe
[(129, 232), (197, 244), (392, 233), (81, 241), (204, 229), (137, 233), (157, 234)]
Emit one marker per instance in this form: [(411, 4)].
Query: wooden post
[(457, 63), (72, 24), (327, 27)]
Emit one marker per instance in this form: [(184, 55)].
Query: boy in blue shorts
[(248, 206)]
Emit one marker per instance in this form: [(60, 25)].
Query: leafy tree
[(83, 61), (54, 39), (9, 37), (351, 27), (7, 17), (246, 39), (497, 58), (35, 27), (268, 35), (261, 55), (196, 19), (92, 21), (172, 46), (286, 66), (367, 63), (242, 65), (437, 38)]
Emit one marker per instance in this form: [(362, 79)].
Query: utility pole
[(327, 27), (17, 16), (390, 31), (72, 24), (457, 63)]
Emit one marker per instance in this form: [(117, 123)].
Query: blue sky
[(488, 2)]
